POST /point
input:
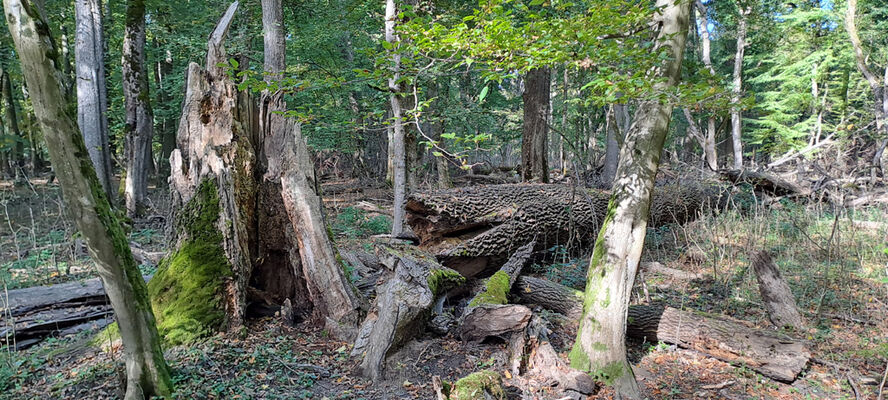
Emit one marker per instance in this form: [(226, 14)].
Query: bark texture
[(775, 292), (92, 104), (146, 371), (600, 348), (535, 130), (473, 227), (139, 127), (764, 351), (737, 89), (397, 142)]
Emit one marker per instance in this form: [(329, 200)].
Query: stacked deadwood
[(29, 315), (471, 228), (767, 352)]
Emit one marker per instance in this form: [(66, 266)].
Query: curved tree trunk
[(600, 347), (146, 370), (139, 128), (535, 131), (92, 106)]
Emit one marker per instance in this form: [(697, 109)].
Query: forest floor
[(837, 266)]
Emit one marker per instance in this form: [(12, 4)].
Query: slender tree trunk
[(139, 128), (92, 106), (737, 89), (707, 139), (397, 143), (611, 147), (162, 69), (880, 89), (17, 158), (437, 127), (600, 347), (535, 131), (146, 370)]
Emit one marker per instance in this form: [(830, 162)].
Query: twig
[(882, 385), (853, 386), (439, 387)]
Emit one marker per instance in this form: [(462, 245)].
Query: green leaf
[(234, 63), (483, 94)]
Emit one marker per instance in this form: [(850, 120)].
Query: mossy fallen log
[(767, 352), (471, 228)]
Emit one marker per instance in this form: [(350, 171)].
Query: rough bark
[(765, 182), (600, 348), (290, 164), (879, 88), (535, 129), (737, 89), (775, 292), (92, 105), (764, 351), (139, 127), (471, 228), (146, 370), (402, 307), (532, 355)]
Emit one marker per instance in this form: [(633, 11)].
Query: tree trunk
[(600, 347), (535, 129), (17, 157), (471, 228), (290, 163), (146, 370), (764, 351), (775, 292), (398, 143), (880, 89), (611, 148), (162, 70), (92, 105), (737, 89), (139, 128)]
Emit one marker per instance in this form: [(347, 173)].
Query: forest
[(444, 200)]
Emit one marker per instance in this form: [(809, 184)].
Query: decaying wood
[(532, 355), (487, 313), (469, 228), (766, 352), (400, 311), (776, 294), (658, 268), (765, 181)]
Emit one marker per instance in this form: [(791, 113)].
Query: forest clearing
[(506, 199)]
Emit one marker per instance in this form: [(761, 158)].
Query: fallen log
[(401, 308), (765, 181), (769, 353), (471, 228)]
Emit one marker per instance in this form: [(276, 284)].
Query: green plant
[(354, 223)]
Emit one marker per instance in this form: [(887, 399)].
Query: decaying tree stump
[(469, 228), (775, 292), (402, 306), (766, 352), (233, 230)]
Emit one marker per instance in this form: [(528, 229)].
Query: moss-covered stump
[(187, 292), (481, 385), (403, 305)]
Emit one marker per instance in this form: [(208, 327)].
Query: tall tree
[(737, 86), (878, 87), (146, 370), (92, 105), (707, 138), (535, 129), (17, 157), (397, 147), (600, 347), (139, 127)]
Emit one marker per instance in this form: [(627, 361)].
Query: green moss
[(442, 280), (609, 373), (186, 292), (495, 290), (106, 336), (473, 387)]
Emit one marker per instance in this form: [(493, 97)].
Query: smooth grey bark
[(737, 89), (92, 104), (600, 348), (147, 374), (880, 89), (611, 148), (290, 162), (139, 128), (535, 129), (397, 144)]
